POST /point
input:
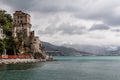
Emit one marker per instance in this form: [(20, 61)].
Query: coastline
[(16, 61)]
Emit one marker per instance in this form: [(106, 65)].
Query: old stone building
[(22, 30), (22, 26)]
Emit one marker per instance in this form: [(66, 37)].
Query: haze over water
[(66, 68)]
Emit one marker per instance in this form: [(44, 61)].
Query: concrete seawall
[(15, 61)]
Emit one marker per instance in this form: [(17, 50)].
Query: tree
[(10, 45), (5, 21), (2, 46)]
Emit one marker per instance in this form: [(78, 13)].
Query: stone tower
[(22, 30), (21, 21)]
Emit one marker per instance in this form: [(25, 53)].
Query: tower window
[(34, 39), (15, 21)]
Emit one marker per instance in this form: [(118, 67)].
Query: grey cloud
[(113, 20), (45, 6), (106, 16), (63, 29), (96, 37), (99, 27), (50, 30), (103, 10), (71, 29), (115, 30), (18, 4)]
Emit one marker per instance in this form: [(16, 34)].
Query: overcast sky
[(94, 22)]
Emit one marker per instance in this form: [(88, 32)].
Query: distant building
[(22, 28)]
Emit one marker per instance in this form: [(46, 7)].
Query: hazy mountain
[(81, 50), (62, 51), (88, 48), (96, 50), (114, 51)]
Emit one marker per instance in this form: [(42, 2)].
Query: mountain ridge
[(54, 50), (81, 50)]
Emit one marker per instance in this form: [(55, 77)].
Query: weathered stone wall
[(22, 27), (21, 17), (35, 44)]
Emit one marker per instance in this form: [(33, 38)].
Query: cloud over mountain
[(80, 21)]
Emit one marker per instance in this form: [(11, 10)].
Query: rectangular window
[(15, 21)]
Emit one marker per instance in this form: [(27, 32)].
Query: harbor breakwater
[(15, 61)]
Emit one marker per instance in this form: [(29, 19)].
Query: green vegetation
[(6, 23), (2, 46)]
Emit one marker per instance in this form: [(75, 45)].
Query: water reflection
[(20, 66), (19, 71)]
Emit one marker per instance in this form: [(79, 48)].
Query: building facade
[(22, 29), (21, 23)]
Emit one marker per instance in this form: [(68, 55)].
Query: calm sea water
[(66, 68)]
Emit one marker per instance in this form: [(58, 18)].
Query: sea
[(65, 68)]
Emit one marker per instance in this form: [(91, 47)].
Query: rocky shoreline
[(16, 61)]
